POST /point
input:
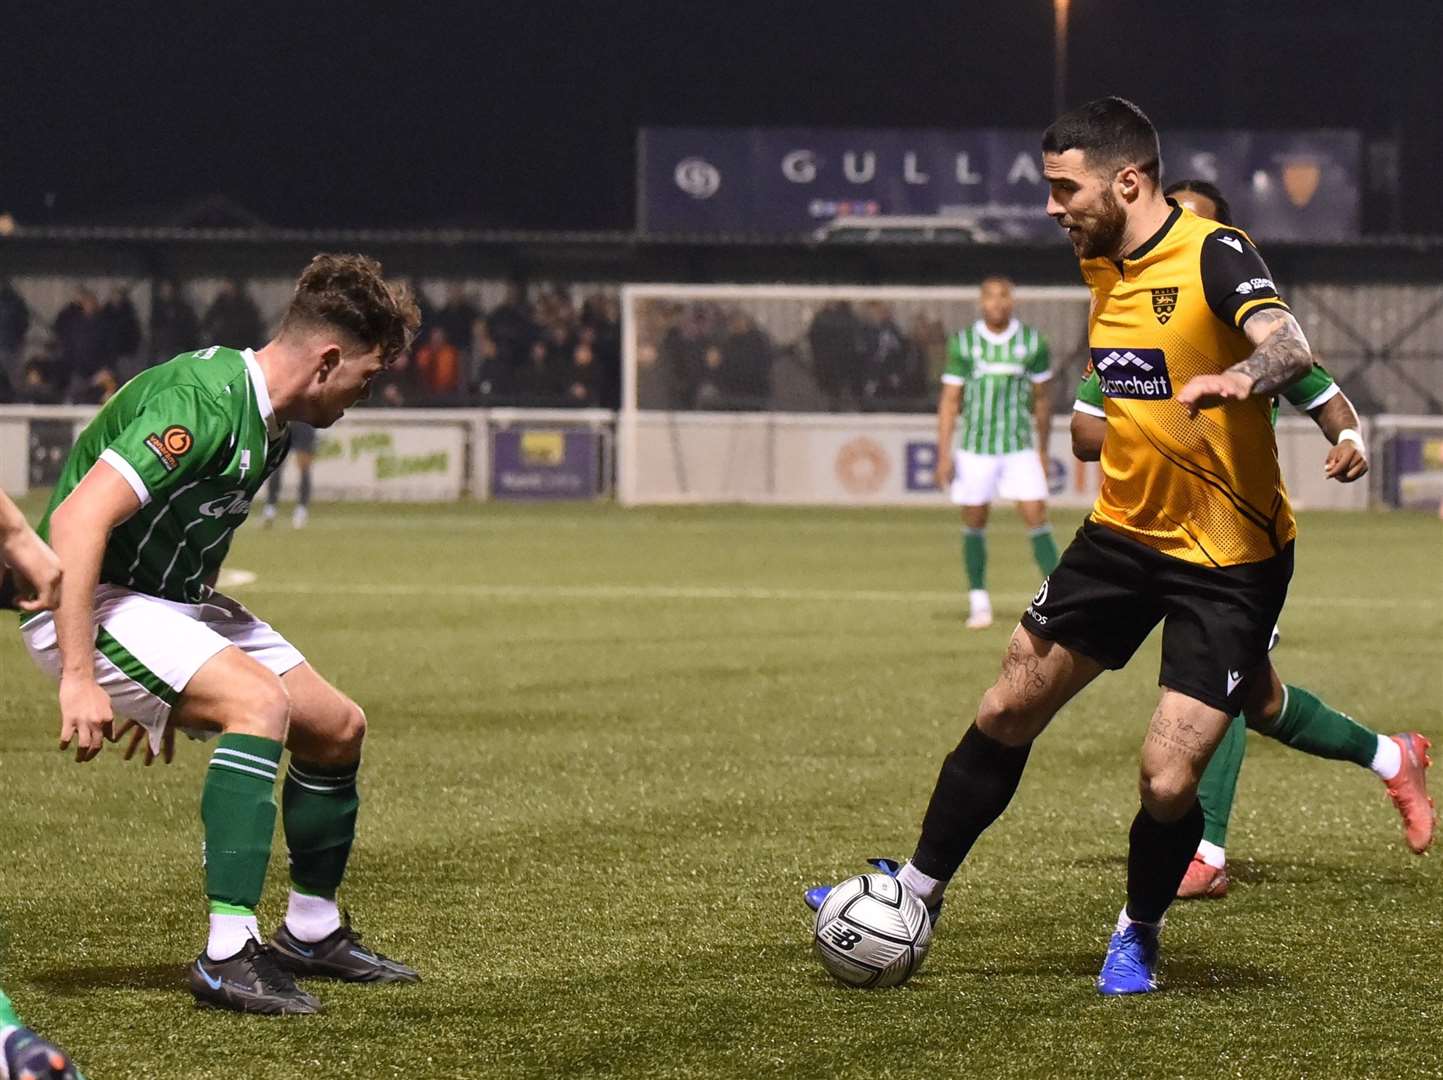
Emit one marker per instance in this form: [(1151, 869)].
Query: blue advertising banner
[(1297, 185), (545, 463)]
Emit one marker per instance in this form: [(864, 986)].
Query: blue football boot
[(1131, 964), (816, 896)]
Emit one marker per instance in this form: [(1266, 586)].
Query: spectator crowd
[(848, 357), (536, 348)]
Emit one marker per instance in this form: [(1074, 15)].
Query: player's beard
[(1102, 235)]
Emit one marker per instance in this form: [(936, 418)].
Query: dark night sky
[(524, 114)]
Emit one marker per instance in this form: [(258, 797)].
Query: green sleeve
[(1089, 393), (172, 441), (959, 363), (1039, 364), (1314, 388)]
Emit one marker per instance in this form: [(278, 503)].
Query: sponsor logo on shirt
[(232, 502), (1253, 285), (170, 446), (1133, 373)]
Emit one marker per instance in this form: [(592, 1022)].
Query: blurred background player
[(1305, 722), (997, 377), (29, 580), (144, 513), (303, 453)]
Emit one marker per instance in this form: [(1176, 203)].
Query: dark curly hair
[(347, 292)]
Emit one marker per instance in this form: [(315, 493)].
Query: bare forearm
[(947, 410), (80, 546), (1281, 354), (12, 521), (1335, 416), (1042, 418)]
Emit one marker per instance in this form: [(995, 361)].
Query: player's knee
[(1006, 718), (339, 741), (1167, 789), (353, 729)]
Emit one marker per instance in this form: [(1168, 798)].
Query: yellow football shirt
[(1204, 489)]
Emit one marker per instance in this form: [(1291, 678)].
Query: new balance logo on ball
[(1133, 373)]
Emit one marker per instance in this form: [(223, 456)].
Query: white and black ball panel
[(870, 932)]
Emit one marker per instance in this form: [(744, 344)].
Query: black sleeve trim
[(1233, 274)]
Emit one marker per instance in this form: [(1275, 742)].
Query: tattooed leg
[(979, 777), (1180, 740)]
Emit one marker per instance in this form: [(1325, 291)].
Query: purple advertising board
[(1283, 185), (542, 462)]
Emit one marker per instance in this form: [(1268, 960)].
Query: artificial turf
[(609, 749)]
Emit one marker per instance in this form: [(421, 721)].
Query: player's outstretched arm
[(79, 529), (1280, 355), (30, 557), (1087, 434), (1348, 459)]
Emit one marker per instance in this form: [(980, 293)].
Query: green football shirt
[(1312, 390), (996, 372), (195, 439)]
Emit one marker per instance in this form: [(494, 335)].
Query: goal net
[(804, 394)]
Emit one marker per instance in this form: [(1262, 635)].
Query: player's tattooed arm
[(1281, 356)]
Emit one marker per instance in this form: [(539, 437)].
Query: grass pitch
[(608, 751)]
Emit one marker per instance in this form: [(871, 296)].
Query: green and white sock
[(319, 806), (974, 558), (1310, 725), (1218, 787), (312, 918), (238, 809), (1044, 548)]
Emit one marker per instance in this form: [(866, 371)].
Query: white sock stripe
[(345, 778), (254, 758), (236, 766), (1041, 530), (316, 787)]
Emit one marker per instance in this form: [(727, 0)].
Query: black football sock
[(1157, 858), (974, 787)]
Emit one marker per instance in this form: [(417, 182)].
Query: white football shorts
[(981, 478), (147, 649)]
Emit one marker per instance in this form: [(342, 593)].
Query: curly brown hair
[(347, 292)]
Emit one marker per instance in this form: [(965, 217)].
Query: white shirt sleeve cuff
[(127, 470), (1331, 392), (952, 380), (1088, 409), (1040, 376)]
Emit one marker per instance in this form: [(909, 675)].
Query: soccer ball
[(871, 932)]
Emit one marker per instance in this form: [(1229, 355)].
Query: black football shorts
[(1108, 592)]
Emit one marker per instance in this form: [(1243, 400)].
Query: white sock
[(312, 918), (229, 934), (978, 600), (1211, 854), (1123, 922), (927, 889), (1387, 759)]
